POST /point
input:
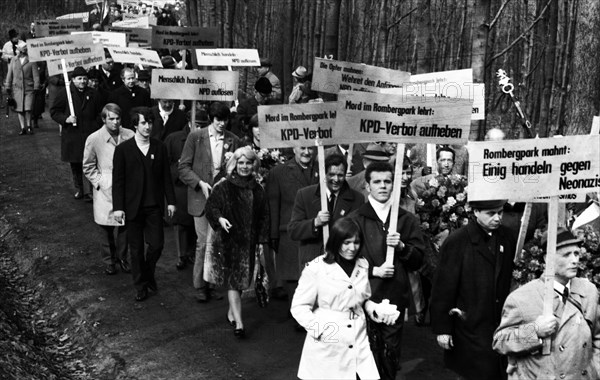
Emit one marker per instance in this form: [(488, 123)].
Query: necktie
[(565, 295), (331, 204)]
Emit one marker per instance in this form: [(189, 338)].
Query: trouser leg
[(385, 343), (135, 238), (122, 243), (109, 247), (77, 173), (417, 291), (155, 239), (201, 225)]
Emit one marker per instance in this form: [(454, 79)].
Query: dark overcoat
[(87, 106), (475, 279), (174, 144), (127, 100), (283, 182), (176, 122)]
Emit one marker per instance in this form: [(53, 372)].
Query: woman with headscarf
[(22, 81)]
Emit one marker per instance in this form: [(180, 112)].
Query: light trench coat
[(329, 305), (97, 167)]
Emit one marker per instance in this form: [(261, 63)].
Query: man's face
[(144, 84), (390, 147), (108, 66), (336, 176), (380, 186), (144, 128), (303, 155), (93, 83), (262, 70), (407, 174), (15, 40), (166, 104), (129, 79), (218, 125), (489, 219), (445, 163), (112, 121), (80, 82), (566, 261)]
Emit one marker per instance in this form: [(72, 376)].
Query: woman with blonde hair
[(237, 210)]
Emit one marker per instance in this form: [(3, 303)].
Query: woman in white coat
[(97, 167), (330, 303)]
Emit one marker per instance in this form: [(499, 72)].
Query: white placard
[(194, 85), (136, 56), (95, 58), (107, 39), (227, 57), (65, 46)]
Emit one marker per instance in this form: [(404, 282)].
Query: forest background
[(550, 48)]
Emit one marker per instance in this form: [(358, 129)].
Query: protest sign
[(107, 39), (49, 28), (332, 76), (595, 126), (227, 57), (381, 117), (59, 47), (292, 125), (195, 85), (136, 37), (138, 22), (87, 61), (446, 84), (84, 16), (93, 2), (136, 56), (525, 169), (178, 37)]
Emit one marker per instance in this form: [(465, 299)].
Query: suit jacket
[(359, 183), (176, 122), (575, 352), (127, 100), (196, 164), (128, 177), (306, 207), (475, 279)]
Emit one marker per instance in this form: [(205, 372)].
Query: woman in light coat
[(330, 303), (22, 80), (97, 167)]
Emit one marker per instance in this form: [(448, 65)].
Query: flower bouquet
[(268, 159)]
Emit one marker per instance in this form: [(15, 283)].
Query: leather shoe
[(110, 270), (202, 296), (78, 195), (231, 322), (141, 295), (23, 132), (239, 333), (181, 264), (30, 130), (212, 293), (125, 268)]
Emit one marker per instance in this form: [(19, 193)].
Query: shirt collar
[(560, 288), (213, 133), (163, 112)]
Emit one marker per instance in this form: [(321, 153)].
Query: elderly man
[(167, 119), (573, 329), (129, 95), (264, 71), (97, 167), (374, 153), (389, 280), (472, 282), (307, 220)]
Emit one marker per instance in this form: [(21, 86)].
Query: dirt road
[(169, 336)]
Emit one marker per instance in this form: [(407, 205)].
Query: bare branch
[(401, 18), (499, 13)]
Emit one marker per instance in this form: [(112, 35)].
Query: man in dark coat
[(109, 75), (76, 128), (283, 182), (249, 107), (167, 119), (389, 280), (141, 181), (129, 95), (471, 285), (307, 220)]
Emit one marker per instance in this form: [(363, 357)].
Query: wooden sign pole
[(523, 231), (389, 254), (323, 186), (193, 118), (68, 88), (183, 68), (431, 161), (549, 270), (349, 158)]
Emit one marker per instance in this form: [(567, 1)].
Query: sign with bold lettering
[(291, 125), (367, 116), (136, 56), (178, 37), (332, 76), (67, 46), (87, 61), (526, 169), (48, 28), (195, 85), (136, 37), (108, 39), (227, 57)]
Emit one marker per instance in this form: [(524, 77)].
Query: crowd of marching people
[(234, 208)]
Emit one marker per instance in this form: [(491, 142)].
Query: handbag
[(261, 282)]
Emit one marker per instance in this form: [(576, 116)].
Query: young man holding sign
[(389, 280), (574, 329)]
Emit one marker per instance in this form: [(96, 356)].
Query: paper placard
[(136, 56), (522, 170), (66, 46), (448, 84), (595, 126), (178, 37), (227, 57), (94, 59), (139, 22), (93, 2), (49, 28), (108, 39), (381, 117), (332, 76), (84, 16), (136, 37), (195, 85), (291, 125)]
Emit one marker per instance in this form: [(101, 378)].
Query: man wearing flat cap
[(264, 71), (472, 282), (573, 328)]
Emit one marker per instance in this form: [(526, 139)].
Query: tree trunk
[(550, 59), (479, 51)]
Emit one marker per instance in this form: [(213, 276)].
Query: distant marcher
[(98, 169), (249, 107), (143, 79), (9, 50), (129, 96), (300, 92), (110, 76), (445, 158), (238, 212), (167, 119), (22, 82), (141, 182), (264, 71)]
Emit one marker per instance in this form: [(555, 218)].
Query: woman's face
[(244, 166), (350, 248)]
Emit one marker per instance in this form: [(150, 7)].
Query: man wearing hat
[(249, 107), (573, 329), (264, 71), (374, 153), (473, 280), (143, 79), (301, 92), (129, 96)]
